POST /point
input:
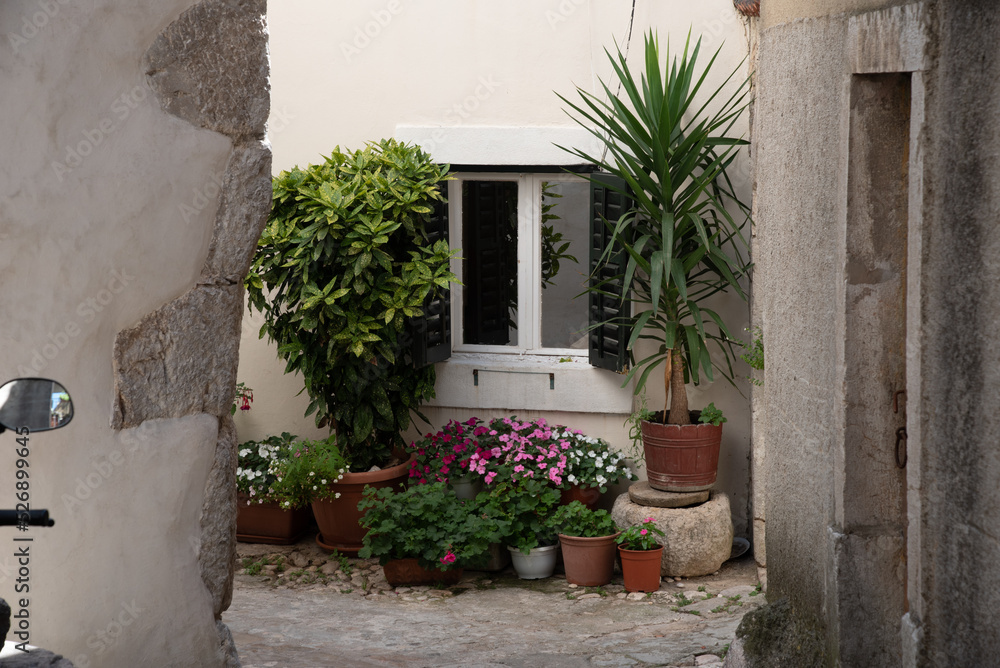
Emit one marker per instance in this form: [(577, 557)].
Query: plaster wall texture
[(110, 208), (959, 354), (474, 82), (775, 12)]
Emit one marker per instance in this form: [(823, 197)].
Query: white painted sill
[(529, 382)]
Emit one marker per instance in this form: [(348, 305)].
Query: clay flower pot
[(589, 562), (681, 458), (269, 523), (410, 572), (641, 569), (588, 496), (339, 519)]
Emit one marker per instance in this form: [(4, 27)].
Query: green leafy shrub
[(428, 523), (342, 267), (307, 473), (523, 508), (576, 519)]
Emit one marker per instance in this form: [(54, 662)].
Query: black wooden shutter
[(432, 331), (489, 209), (609, 339)]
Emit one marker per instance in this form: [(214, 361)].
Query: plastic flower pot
[(641, 569), (467, 487), (539, 563), (589, 562)]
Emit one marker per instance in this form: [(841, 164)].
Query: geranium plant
[(509, 449), (576, 519), (428, 523), (640, 536), (308, 473), (257, 465), (445, 456), (523, 508)]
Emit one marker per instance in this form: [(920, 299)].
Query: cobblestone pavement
[(295, 607)]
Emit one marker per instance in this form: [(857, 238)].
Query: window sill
[(529, 382)]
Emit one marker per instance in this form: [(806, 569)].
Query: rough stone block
[(210, 67), (217, 551), (643, 493), (697, 540), (243, 209), (181, 359)]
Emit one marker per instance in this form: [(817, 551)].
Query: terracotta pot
[(681, 458), (641, 569), (339, 519), (269, 523), (589, 562), (410, 572), (588, 496)]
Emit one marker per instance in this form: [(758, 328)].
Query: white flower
[(315, 487), (244, 452), (312, 473), (601, 480), (323, 481), (337, 495), (610, 468), (571, 478), (591, 453)]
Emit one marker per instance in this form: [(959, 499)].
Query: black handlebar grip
[(37, 518)]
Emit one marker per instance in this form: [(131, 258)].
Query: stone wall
[(137, 183)]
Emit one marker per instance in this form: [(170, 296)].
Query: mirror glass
[(36, 403)]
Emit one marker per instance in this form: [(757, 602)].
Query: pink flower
[(448, 558), (490, 476), (518, 468), (643, 532)]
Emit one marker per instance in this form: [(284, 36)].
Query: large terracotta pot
[(681, 458), (641, 569), (588, 496), (410, 572), (269, 523), (589, 562), (339, 519)]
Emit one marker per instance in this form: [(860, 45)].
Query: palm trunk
[(678, 393)]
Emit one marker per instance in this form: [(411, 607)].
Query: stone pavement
[(309, 612)]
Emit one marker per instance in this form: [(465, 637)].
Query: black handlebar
[(37, 518)]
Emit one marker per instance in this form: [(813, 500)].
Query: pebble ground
[(297, 607)]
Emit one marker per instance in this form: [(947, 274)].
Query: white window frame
[(529, 254)]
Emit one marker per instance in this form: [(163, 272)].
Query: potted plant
[(641, 556), (260, 518), (677, 246), (591, 466), (445, 456), (587, 539), (523, 509), (425, 533), (343, 267)]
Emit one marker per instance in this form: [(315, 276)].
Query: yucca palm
[(681, 242)]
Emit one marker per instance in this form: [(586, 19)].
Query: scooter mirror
[(36, 403)]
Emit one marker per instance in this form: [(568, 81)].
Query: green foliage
[(342, 266), (640, 536), (426, 522), (576, 519), (523, 509), (308, 472), (257, 465), (553, 247), (682, 244), (711, 415), (754, 355), (634, 422)]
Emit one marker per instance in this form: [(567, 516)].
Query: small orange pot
[(641, 569)]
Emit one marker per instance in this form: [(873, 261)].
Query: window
[(525, 261), (529, 243)]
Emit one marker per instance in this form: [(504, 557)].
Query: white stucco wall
[(473, 82), (91, 239)]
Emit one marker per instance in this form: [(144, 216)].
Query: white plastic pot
[(539, 563)]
